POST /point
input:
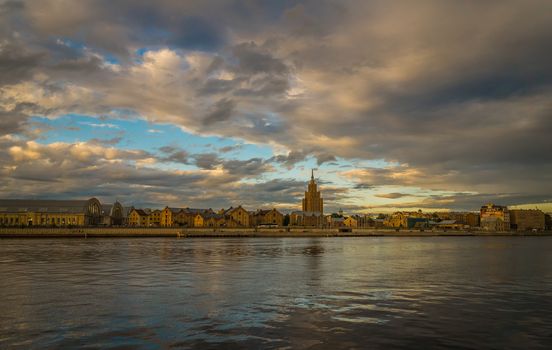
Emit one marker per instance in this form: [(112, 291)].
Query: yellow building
[(138, 218), (209, 219), (267, 217), (396, 220), (238, 215), (313, 202), (154, 218), (168, 216), (350, 222), (21, 212), (199, 220), (187, 216), (313, 208)]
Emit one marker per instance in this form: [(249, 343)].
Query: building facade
[(494, 217), (313, 208), (138, 218), (114, 215), (53, 213), (237, 217), (350, 222), (527, 219), (267, 217)]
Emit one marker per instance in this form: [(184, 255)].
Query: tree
[(286, 220)]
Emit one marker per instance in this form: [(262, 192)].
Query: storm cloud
[(447, 96)]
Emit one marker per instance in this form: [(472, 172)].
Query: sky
[(397, 105)]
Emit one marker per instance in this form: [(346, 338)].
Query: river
[(300, 293)]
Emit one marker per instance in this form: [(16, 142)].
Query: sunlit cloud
[(399, 104)]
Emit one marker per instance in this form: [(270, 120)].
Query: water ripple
[(276, 293)]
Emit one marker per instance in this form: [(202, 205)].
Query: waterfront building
[(494, 217), (527, 219), (313, 201), (446, 225), (312, 213), (407, 220), (396, 220), (472, 219), (350, 222), (236, 217), (114, 215), (465, 218), (138, 218), (59, 213), (209, 219), (186, 217), (154, 218), (168, 216), (267, 217)]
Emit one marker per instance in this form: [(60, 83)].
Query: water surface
[(365, 292)]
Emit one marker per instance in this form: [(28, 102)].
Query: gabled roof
[(231, 209), (213, 216), (141, 212), (264, 211), (196, 210)]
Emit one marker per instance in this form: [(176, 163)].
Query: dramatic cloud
[(393, 195), (387, 98)]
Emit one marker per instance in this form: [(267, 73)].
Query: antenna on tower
[(312, 174)]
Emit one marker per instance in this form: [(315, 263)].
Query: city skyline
[(431, 105)]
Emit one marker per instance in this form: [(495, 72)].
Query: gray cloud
[(393, 195), (457, 94), (16, 64), (207, 160), (175, 155), (222, 111)]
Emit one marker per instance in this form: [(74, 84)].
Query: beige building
[(527, 219), (58, 213), (313, 202), (313, 208), (238, 215), (267, 217), (494, 217), (466, 218)]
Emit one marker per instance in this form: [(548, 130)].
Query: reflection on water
[(429, 292)]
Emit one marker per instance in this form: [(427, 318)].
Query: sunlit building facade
[(313, 208), (53, 213), (495, 217)]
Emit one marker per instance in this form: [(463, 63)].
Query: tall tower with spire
[(313, 202)]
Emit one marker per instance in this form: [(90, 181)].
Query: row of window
[(43, 221)]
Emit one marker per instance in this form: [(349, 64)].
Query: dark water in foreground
[(428, 292)]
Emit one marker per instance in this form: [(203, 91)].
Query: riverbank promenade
[(38, 232)]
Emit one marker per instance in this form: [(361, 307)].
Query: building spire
[(312, 174)]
